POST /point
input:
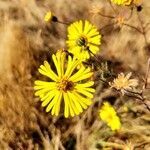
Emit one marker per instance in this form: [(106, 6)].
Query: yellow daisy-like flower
[(122, 2), (48, 16), (69, 87), (123, 82), (83, 39), (127, 2), (108, 114)]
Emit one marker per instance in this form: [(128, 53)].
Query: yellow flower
[(48, 16), (69, 87), (83, 39), (123, 82), (122, 2), (127, 2), (137, 2), (108, 114)]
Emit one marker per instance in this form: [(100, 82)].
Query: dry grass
[(25, 42)]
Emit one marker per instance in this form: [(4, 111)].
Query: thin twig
[(107, 16), (147, 26), (133, 92), (112, 7), (110, 144), (133, 28), (147, 74), (131, 12), (104, 81), (140, 144), (61, 22), (139, 98), (96, 58), (143, 29), (106, 26)]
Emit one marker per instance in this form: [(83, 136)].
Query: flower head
[(127, 2), (108, 114), (83, 39), (69, 87), (123, 82), (48, 16), (122, 2)]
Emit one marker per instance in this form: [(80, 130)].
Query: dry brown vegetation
[(26, 41)]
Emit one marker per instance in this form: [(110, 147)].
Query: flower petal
[(53, 102), (48, 97), (47, 71)]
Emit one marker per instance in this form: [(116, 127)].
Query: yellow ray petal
[(76, 103), (48, 95), (87, 101), (85, 85), (52, 103), (48, 98), (87, 27), (66, 101), (56, 108), (85, 93), (85, 76), (43, 84), (73, 104), (46, 70), (71, 67)]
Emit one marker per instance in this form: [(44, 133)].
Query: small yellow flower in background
[(83, 39), (137, 2), (122, 2), (69, 87), (108, 114), (123, 82), (48, 16), (127, 2)]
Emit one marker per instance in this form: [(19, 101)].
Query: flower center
[(82, 41), (65, 85), (123, 83)]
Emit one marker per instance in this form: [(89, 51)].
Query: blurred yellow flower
[(122, 2), (69, 87), (123, 82), (108, 114), (48, 16), (127, 2), (83, 39), (137, 2)]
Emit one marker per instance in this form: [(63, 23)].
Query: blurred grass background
[(26, 41)]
